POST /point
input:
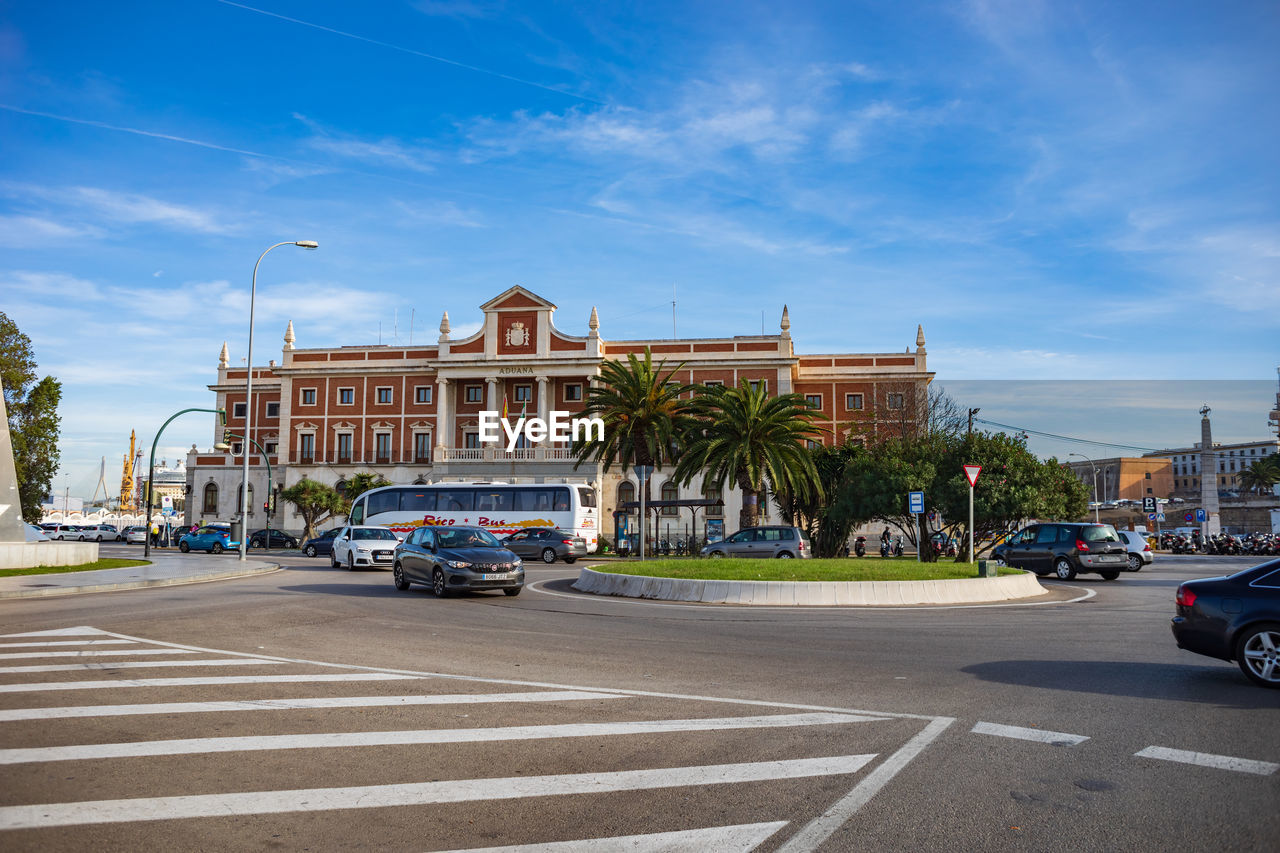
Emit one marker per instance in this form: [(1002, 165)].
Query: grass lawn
[(83, 567), (841, 569)]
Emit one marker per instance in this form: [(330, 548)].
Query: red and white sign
[(971, 473)]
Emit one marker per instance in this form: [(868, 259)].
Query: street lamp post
[(1095, 483), (151, 472), (248, 394)]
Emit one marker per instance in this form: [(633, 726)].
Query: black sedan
[(1234, 618), (456, 559), (322, 544), (278, 539)]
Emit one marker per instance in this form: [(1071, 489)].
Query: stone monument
[(11, 529), (1212, 525)]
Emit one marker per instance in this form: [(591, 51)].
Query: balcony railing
[(496, 454)]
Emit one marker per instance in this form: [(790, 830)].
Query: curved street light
[(151, 471), (248, 395), (1095, 483)]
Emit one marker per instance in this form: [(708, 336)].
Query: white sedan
[(364, 546)]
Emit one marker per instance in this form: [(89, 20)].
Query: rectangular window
[(814, 400), (471, 441), (382, 446), (237, 411), (307, 448), (475, 394), (270, 447), (308, 396), (344, 447), (852, 402), (524, 393), (236, 447), (383, 396), (1147, 475), (273, 410), (380, 502), (895, 401), (757, 384), (455, 500), (422, 447), (573, 392), (494, 500), (417, 500), (422, 394), (346, 396), (811, 444), (713, 383)]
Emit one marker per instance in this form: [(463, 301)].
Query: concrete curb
[(815, 593), (138, 584)]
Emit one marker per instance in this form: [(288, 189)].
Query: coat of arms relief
[(517, 335)]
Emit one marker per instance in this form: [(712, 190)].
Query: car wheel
[(351, 562), (397, 574), (217, 548), (310, 550), (1064, 570), (571, 560), (1109, 576), (784, 555), (81, 537), (1000, 561), (513, 592), (715, 555), (438, 585), (548, 555), (1135, 562), (184, 547), (1258, 653), (99, 538), (333, 559)]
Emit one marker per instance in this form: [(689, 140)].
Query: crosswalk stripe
[(1022, 733), (94, 653), (42, 686), (295, 704), (69, 643), (334, 740), (1208, 759), (81, 631), (137, 664), (417, 793), (722, 839)]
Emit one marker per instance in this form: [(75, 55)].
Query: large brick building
[(411, 413)]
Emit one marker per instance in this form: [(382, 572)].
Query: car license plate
[(1109, 558), (500, 576)]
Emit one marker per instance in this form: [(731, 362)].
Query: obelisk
[(1212, 525), (11, 529)]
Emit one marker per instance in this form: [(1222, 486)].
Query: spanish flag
[(504, 405)]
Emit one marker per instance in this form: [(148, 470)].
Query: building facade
[(1125, 478), (411, 413), (1229, 459)]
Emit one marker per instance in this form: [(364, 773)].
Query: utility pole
[(972, 412)]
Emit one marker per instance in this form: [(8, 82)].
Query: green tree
[(315, 502), (359, 483), (1262, 475), (34, 424), (755, 441), (824, 519), (643, 412), (876, 484)]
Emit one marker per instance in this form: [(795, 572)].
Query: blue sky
[(1055, 191)]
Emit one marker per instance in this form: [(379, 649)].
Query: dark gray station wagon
[(1066, 549), (456, 559)]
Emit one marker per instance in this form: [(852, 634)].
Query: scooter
[(884, 547), (897, 547), (860, 546)]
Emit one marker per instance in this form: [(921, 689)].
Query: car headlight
[(458, 564)]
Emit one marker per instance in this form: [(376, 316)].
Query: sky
[(1057, 192)]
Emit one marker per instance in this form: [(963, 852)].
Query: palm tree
[(1261, 475), (643, 413), (754, 440)]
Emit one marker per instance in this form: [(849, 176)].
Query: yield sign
[(971, 473)]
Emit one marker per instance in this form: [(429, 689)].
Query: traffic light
[(226, 436)]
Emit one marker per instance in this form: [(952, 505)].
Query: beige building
[(1126, 478)]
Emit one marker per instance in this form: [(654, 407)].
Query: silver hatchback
[(781, 542)]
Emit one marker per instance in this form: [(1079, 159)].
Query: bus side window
[(384, 501), (357, 513), (561, 500)]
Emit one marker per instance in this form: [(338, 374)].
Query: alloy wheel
[(1259, 655), (1064, 570)]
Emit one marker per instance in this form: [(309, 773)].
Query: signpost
[(971, 473), (643, 473), (915, 506), (1148, 505)]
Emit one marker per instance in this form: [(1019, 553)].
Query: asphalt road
[(569, 718)]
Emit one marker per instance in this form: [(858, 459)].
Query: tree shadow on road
[(1221, 685)]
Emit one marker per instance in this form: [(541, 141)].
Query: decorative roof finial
[(594, 323), (222, 357), (786, 322), (289, 337), (920, 336), (444, 327)]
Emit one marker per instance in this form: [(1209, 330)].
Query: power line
[(1067, 437)]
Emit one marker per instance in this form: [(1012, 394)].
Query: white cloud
[(385, 152), (30, 232), (111, 208)]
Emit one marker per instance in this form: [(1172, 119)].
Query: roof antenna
[(673, 310), (412, 311)]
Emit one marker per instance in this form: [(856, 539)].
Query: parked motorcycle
[(860, 546)]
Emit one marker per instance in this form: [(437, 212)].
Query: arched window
[(670, 492), (240, 499), (714, 493), (626, 494), (210, 499)]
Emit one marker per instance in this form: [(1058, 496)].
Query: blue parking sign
[(915, 501), (1200, 515)]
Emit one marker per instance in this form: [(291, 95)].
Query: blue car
[(213, 539)]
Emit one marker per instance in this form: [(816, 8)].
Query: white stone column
[(493, 393), (543, 411), (444, 414)]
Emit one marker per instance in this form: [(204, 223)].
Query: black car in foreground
[(1234, 618), (456, 559)]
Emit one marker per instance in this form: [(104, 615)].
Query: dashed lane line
[(135, 664), (1206, 759), (93, 653), (45, 643), (110, 684), (69, 711), (722, 839), (338, 740), (419, 793), (1021, 733)]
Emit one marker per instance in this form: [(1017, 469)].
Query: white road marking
[(722, 839), (80, 631), (295, 704), (335, 740), (1020, 733), (94, 653), (1206, 759), (818, 830), (41, 686), (418, 793), (136, 664), (69, 643)]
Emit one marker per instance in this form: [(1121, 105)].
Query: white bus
[(500, 508)]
